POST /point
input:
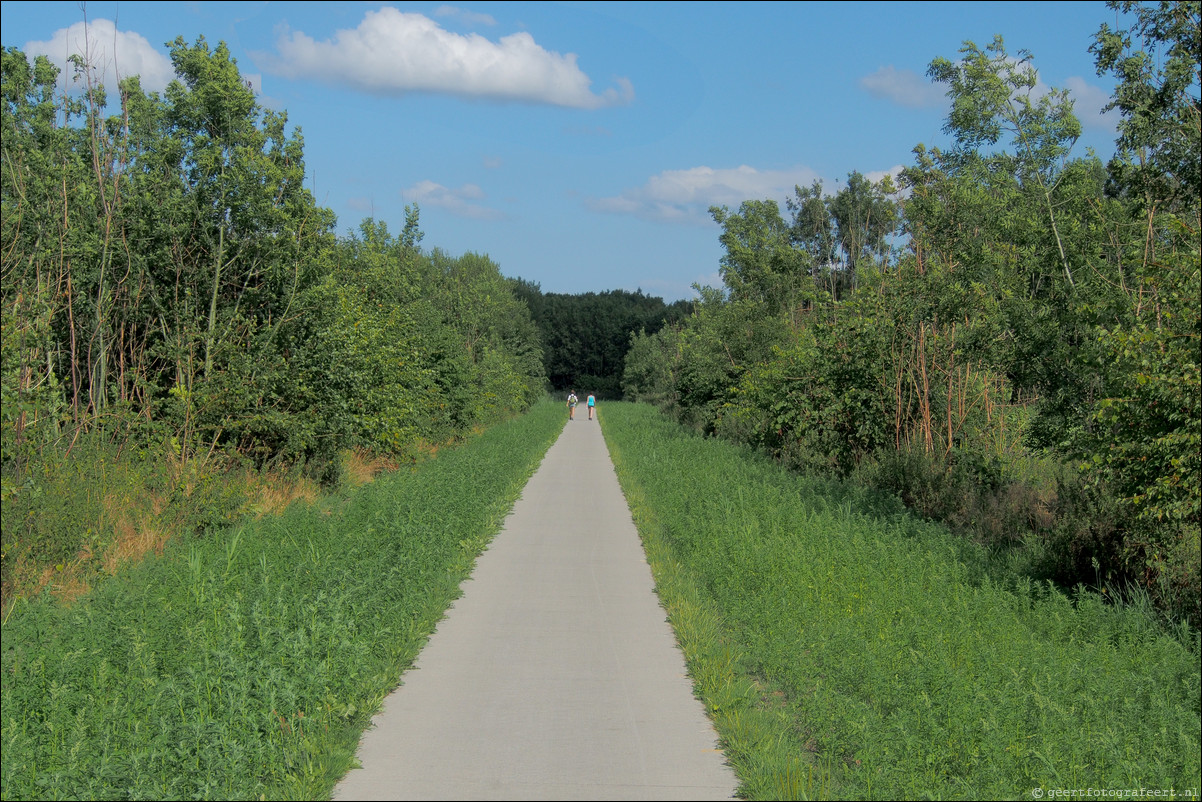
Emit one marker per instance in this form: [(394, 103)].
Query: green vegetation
[(1008, 337), (246, 664), (172, 293), (585, 337), (1004, 338), (846, 649)]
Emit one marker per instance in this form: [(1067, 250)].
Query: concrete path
[(556, 675)]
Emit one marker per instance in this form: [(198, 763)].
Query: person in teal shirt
[(592, 402)]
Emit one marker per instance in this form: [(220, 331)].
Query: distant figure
[(571, 404), (592, 402)]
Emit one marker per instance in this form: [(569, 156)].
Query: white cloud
[(460, 202), (893, 172), (254, 80), (470, 17), (908, 88), (392, 53), (1088, 102), (672, 291), (686, 195), (904, 87), (113, 54)]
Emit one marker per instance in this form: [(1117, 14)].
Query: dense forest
[(1007, 336), (585, 337)]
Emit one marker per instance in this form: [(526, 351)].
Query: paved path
[(556, 675)]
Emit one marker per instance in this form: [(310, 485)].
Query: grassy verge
[(847, 650), (74, 519), (247, 663)]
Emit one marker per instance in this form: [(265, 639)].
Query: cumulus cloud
[(461, 202), (905, 88), (393, 53), (1088, 102), (686, 195), (112, 53)]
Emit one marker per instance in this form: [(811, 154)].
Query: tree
[(1144, 436), (993, 94), (494, 327), (247, 239), (35, 151), (864, 217), (586, 337), (812, 230), (761, 264), (1156, 61)]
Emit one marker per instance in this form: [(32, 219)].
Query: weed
[(247, 663), (898, 663)]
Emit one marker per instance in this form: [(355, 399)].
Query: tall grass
[(246, 664), (848, 650)]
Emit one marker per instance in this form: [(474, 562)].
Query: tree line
[(166, 269), (1007, 335), (168, 280), (585, 336)]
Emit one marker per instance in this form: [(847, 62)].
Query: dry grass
[(272, 493), (143, 525), (67, 584), (361, 467), (136, 533), (137, 530)]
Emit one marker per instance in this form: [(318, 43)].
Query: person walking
[(592, 403), (572, 404)]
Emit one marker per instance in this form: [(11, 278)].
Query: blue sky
[(579, 145)]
